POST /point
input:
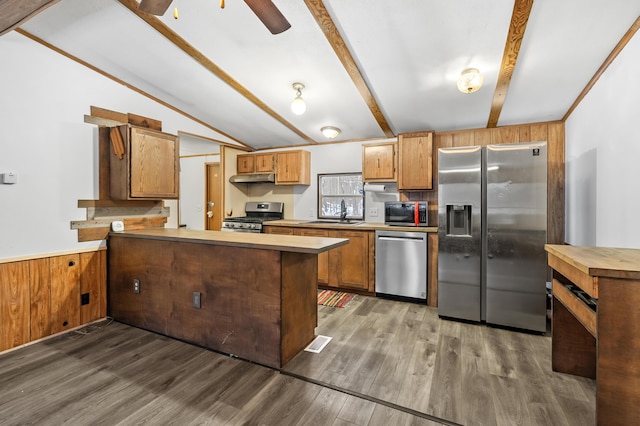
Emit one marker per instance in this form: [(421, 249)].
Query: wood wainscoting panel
[(92, 279), (40, 295), (14, 304), (65, 292)]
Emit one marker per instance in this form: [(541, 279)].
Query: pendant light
[(298, 107)]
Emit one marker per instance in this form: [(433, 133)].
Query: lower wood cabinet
[(350, 267), (44, 296)]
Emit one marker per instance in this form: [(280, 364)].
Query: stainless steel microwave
[(406, 213)]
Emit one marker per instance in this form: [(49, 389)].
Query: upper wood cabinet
[(148, 165), (415, 161), (246, 163), (256, 163), (293, 168), (379, 162)]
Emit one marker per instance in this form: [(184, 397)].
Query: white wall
[(44, 140), (603, 158), (330, 158)]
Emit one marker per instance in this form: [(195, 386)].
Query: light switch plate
[(9, 178)]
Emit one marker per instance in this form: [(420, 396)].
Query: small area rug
[(336, 299)]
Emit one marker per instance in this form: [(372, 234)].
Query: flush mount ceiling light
[(298, 107), (330, 132), (470, 80)]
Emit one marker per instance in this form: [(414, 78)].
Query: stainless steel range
[(257, 212)]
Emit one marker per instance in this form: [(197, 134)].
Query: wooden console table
[(601, 343)]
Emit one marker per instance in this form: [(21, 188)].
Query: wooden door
[(154, 164), (213, 194), (14, 304), (264, 163)]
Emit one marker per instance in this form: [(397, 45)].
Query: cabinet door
[(154, 164), (246, 163), (378, 162), (293, 168), (349, 264), (264, 163), (415, 161), (323, 258), (40, 289)]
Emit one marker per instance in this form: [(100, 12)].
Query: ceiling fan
[(265, 10)]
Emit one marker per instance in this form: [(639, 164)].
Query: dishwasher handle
[(401, 238)]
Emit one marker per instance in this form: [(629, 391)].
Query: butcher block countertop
[(359, 226), (599, 261), (287, 243)]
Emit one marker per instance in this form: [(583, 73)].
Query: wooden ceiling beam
[(203, 60), (612, 56), (328, 27), (14, 13), (517, 27)]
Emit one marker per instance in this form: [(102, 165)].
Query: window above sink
[(332, 190)]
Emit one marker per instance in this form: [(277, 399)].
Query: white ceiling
[(410, 53)]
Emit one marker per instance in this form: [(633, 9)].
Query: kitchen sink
[(335, 222)]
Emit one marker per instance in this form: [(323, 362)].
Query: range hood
[(253, 178)]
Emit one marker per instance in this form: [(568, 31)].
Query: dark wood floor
[(386, 359), (465, 373)]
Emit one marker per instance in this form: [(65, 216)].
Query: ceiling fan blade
[(154, 7), (269, 14)]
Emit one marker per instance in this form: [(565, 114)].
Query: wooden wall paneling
[(533, 133), (40, 297), (91, 283), (483, 137), (555, 183), (65, 292), (14, 304), (463, 138), (508, 134)]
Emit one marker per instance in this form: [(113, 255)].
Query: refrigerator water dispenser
[(459, 220)]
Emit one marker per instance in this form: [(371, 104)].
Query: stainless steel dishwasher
[(401, 264)]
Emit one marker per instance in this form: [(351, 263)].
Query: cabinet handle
[(71, 263)]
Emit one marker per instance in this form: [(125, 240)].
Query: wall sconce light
[(330, 132), (470, 80), (298, 107)]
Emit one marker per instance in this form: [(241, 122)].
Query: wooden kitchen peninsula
[(596, 325), (250, 295)]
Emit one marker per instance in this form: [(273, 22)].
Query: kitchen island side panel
[(240, 294)]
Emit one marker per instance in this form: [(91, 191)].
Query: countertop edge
[(284, 243), (599, 261)]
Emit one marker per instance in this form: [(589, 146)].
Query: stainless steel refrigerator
[(492, 223)]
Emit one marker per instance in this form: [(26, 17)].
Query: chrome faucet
[(343, 210)]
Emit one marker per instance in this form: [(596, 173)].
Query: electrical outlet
[(312, 213), (84, 299), (136, 286), (373, 211), (197, 299)]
